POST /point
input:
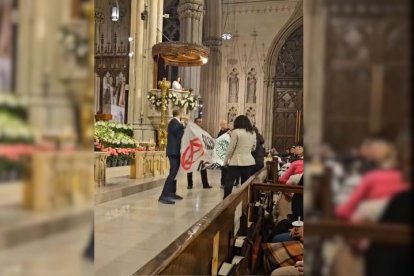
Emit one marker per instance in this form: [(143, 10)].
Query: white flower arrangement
[(187, 101), (114, 134)]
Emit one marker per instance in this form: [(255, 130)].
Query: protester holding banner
[(203, 172), (175, 134), (224, 128), (239, 158)]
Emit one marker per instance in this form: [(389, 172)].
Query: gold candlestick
[(162, 129)]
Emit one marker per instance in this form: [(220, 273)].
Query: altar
[(149, 164)]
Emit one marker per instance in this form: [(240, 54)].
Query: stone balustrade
[(59, 179), (100, 168), (149, 164)]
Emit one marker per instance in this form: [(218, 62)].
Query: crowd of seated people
[(283, 242)]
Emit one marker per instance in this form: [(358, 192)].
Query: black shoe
[(166, 200), (174, 196), (207, 187), (189, 187)]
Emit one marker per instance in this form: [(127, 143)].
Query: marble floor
[(59, 254), (130, 231)]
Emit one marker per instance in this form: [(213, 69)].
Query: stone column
[(137, 62), (268, 111), (315, 17), (160, 18), (191, 22), (39, 72), (211, 72), (153, 25)]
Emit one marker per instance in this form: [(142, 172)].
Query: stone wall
[(253, 25)]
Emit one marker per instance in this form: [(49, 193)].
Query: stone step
[(118, 187), (19, 226)]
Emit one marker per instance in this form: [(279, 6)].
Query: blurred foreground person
[(380, 259), (90, 249), (376, 188)]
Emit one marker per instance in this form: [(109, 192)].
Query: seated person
[(378, 260), (296, 270), (376, 188), (284, 257), (283, 227), (296, 167)]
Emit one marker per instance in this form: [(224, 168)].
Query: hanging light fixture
[(115, 11), (226, 35)]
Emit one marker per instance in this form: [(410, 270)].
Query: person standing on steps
[(224, 128), (239, 158), (175, 133), (203, 173)]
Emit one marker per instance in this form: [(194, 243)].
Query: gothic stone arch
[(284, 85)]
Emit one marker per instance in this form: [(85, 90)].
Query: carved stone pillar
[(191, 30), (211, 72), (210, 85), (314, 50), (269, 88)]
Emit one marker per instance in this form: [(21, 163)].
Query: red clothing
[(295, 168), (377, 184)]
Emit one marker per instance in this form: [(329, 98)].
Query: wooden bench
[(192, 252)]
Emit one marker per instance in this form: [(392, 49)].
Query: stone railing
[(149, 164), (59, 179)]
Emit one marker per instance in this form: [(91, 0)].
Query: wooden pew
[(322, 193), (396, 234), (272, 171), (192, 252)]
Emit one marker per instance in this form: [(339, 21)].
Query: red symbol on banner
[(189, 157)]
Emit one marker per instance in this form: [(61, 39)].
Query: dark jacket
[(297, 204), (389, 259), (259, 152), (221, 132), (175, 133)]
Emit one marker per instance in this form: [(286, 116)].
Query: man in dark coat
[(175, 133)]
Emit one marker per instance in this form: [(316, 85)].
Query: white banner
[(198, 149), (220, 149)]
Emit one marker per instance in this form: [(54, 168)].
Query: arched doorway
[(284, 82), (288, 98)]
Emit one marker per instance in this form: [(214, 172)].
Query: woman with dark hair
[(239, 156)]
